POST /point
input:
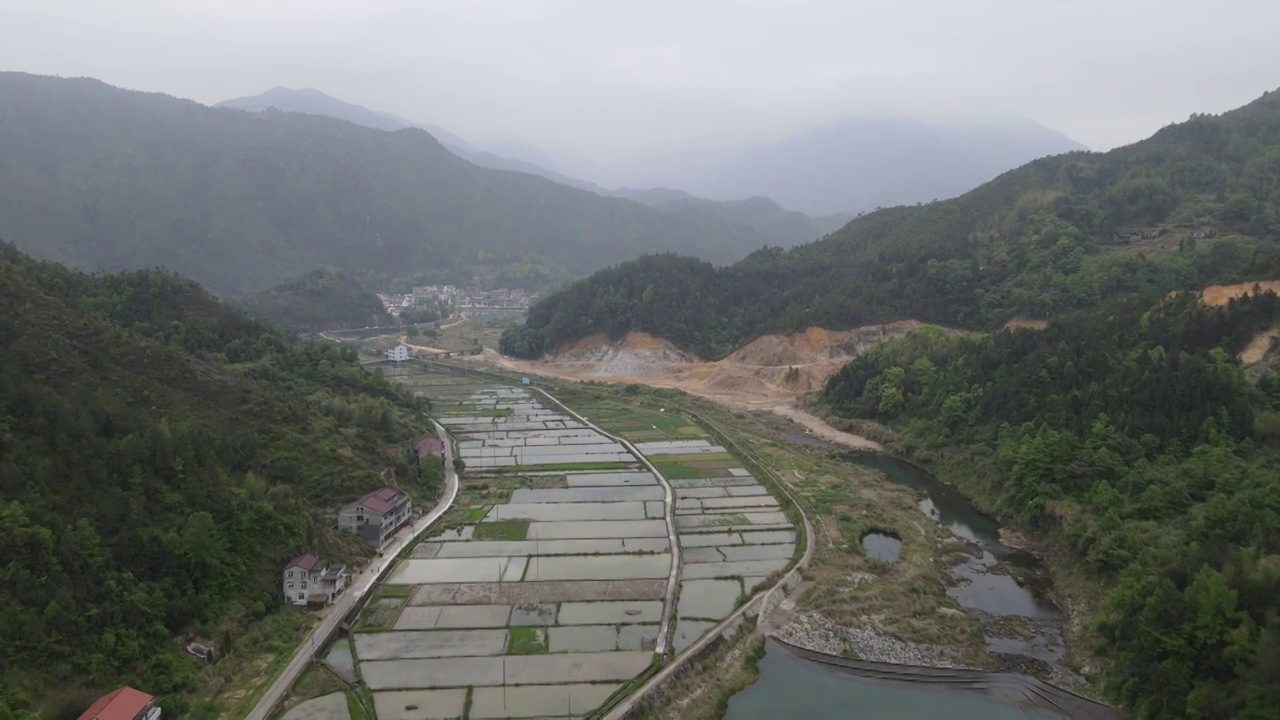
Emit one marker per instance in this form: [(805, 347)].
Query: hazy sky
[(607, 80)]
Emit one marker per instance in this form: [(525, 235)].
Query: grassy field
[(638, 423), (689, 471), (502, 530), (561, 467), (260, 652), (704, 691), (907, 599), (314, 683), (526, 641)]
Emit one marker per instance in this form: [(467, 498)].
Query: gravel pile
[(814, 631)]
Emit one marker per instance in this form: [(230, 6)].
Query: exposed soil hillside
[(1216, 295), (636, 354), (1026, 324), (1257, 349), (768, 373), (768, 369)]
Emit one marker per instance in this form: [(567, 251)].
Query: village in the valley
[(459, 298)]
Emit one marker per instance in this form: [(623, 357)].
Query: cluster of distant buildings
[(462, 298), (375, 517)]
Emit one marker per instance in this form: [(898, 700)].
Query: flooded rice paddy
[(546, 601)]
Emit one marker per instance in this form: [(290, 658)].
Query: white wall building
[(311, 579), (399, 353)]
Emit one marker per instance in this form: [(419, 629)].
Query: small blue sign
[(524, 381)]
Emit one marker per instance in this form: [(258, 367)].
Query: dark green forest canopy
[(319, 300), (1197, 202), (106, 179), (1131, 435), (161, 456)]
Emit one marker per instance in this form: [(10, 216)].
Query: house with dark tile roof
[(310, 579), (376, 516)]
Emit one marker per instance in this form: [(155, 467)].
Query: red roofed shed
[(123, 704), (431, 446)]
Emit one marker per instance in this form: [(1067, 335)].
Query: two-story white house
[(376, 516), (310, 579), (399, 353)]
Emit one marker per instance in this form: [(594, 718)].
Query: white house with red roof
[(312, 579), (123, 704), (376, 516)]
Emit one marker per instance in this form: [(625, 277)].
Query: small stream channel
[(1006, 588)]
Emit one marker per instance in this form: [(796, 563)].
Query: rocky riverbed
[(816, 632)]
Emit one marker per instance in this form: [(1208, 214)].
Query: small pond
[(882, 545)]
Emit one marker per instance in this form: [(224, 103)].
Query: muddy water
[(790, 687), (882, 546), (1006, 588)]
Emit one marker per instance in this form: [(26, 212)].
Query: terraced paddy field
[(553, 585)]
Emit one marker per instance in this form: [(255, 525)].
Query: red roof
[(123, 704), (380, 501), (306, 562), (430, 445)]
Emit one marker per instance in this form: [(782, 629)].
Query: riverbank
[(812, 684), (849, 601)]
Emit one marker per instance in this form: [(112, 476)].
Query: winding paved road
[(673, 579), (361, 584)]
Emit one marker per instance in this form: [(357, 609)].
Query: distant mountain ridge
[(786, 227), (1198, 202), (109, 179), (859, 164), (309, 101)]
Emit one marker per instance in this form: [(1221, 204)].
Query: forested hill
[(162, 456), (319, 300), (1198, 201), (106, 179), (782, 227), (1128, 438)]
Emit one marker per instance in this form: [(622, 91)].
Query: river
[(790, 687), (1007, 589)]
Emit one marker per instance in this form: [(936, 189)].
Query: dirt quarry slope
[(767, 374), (1215, 295), (769, 369), (636, 354), (1258, 348)]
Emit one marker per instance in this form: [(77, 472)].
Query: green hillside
[(1127, 439), (1198, 201), (782, 227), (161, 457), (319, 300), (106, 179)]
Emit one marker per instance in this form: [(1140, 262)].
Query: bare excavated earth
[(1262, 343), (771, 368), (767, 374)]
